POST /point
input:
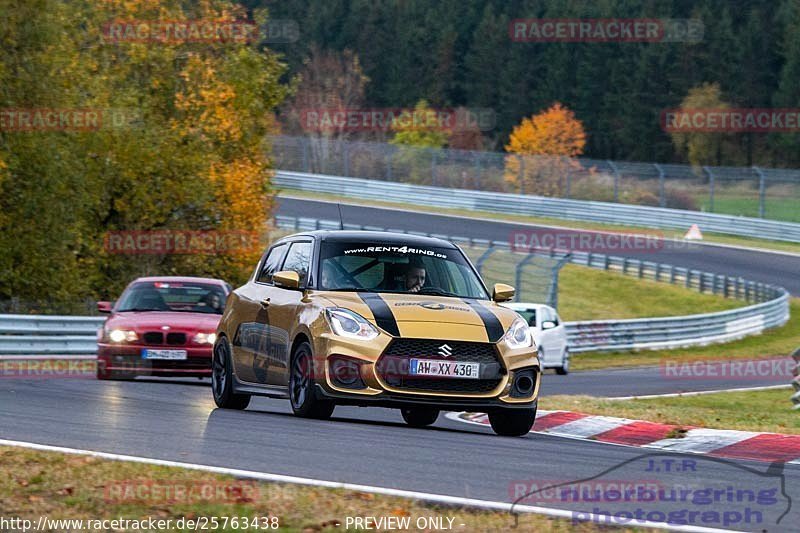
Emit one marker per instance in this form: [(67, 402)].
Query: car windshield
[(529, 315), (173, 296), (398, 268)]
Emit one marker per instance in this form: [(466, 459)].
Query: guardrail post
[(346, 159), (725, 290), (484, 256), (671, 275), (616, 179), (761, 192), (306, 156), (477, 181), (702, 281), (518, 275), (658, 272), (569, 183), (710, 189), (796, 380), (434, 178), (388, 175), (662, 198), (641, 269), (624, 265)]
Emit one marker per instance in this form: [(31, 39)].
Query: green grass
[(775, 208), (61, 486), (591, 294), (773, 342), (766, 410), (671, 234)]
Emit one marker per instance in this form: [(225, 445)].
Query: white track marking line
[(423, 496), (682, 242), (703, 440), (589, 426), (695, 393)]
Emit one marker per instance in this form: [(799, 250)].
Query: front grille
[(153, 337), (176, 339), (392, 367)]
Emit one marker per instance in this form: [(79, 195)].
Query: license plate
[(170, 355), (444, 369)]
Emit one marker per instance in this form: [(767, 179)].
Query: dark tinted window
[(397, 267), (173, 296), (271, 264), (298, 259)]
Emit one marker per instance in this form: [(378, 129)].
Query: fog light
[(524, 383), (346, 373)]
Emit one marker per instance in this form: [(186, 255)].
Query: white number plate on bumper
[(446, 369), (170, 355)]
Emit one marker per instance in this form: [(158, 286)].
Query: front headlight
[(205, 338), (122, 335), (346, 323), (519, 334)]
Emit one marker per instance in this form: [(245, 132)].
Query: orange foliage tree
[(543, 148)]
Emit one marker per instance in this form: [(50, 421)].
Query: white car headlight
[(205, 338), (346, 323), (519, 334), (121, 335)]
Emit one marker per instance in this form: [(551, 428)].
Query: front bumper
[(128, 359), (374, 389)]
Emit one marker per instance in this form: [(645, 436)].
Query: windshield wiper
[(349, 289), (436, 291)]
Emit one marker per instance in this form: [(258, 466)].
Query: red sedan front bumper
[(128, 359)]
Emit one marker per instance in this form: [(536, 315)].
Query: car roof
[(374, 237), (180, 279)]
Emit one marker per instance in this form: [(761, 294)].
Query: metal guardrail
[(756, 191), (540, 206), (66, 335), (796, 380), (62, 335), (769, 304)]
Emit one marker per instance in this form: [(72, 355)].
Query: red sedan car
[(162, 326)]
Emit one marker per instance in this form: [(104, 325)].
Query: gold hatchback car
[(371, 318)]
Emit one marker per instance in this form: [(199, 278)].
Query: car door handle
[(265, 302)]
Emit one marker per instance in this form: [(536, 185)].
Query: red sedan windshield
[(163, 296)]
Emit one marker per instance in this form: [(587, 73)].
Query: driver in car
[(414, 278)]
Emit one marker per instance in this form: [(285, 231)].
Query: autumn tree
[(542, 149), (703, 148), (330, 82), (419, 135), (189, 154)]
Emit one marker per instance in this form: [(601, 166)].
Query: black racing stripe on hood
[(494, 329), (382, 313)]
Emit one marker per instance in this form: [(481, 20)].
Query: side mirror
[(287, 279), (104, 307), (548, 324), (502, 292)]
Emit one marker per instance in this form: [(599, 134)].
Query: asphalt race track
[(177, 421), (777, 269)]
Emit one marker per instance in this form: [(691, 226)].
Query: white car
[(548, 332)]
